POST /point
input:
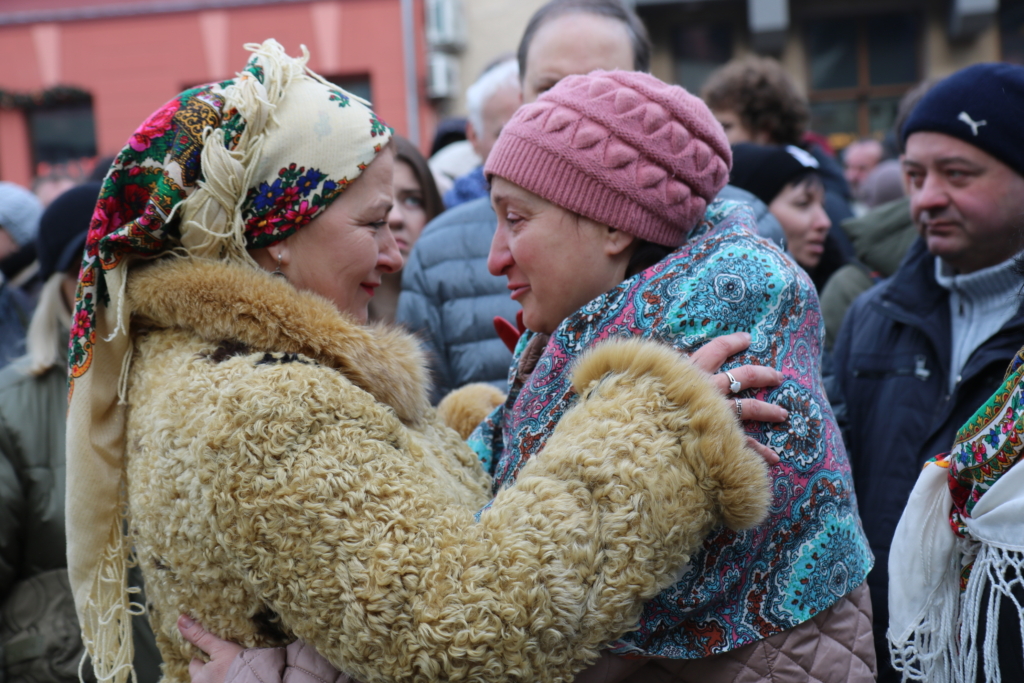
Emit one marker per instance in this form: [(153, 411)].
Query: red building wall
[(133, 64)]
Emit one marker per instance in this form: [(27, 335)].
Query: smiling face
[(574, 43), (555, 260), (800, 209), (343, 252), (968, 205), (408, 216)]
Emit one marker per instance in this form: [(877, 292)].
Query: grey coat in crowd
[(39, 631)]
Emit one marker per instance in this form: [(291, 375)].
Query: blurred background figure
[(882, 236), (451, 155), (19, 222), (39, 634), (883, 184), (755, 100), (787, 180), (859, 159), (416, 203), (490, 103)]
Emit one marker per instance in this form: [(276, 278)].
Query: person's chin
[(533, 320), (809, 263), (944, 246), (359, 310)]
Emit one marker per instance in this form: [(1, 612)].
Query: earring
[(277, 271)]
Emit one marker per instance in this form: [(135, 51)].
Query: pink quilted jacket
[(297, 663), (833, 647)]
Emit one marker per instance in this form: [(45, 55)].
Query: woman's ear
[(268, 257), (282, 251), (617, 242)]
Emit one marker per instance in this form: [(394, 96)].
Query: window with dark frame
[(62, 133), (1011, 30), (859, 67), (698, 49), (357, 85)]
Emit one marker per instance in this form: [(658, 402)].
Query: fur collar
[(220, 301)]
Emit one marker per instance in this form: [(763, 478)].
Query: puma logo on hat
[(975, 125)]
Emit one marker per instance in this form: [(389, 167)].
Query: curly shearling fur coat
[(287, 478)]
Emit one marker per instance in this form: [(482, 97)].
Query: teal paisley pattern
[(740, 587)]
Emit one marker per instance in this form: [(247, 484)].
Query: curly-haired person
[(755, 100)]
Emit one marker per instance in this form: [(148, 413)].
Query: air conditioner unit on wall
[(442, 75), (446, 25)]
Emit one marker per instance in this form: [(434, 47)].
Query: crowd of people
[(622, 384)]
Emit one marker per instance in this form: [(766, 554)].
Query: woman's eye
[(415, 202)]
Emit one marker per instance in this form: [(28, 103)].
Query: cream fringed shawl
[(947, 587), (218, 169)]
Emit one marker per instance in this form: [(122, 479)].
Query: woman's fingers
[(770, 456), (752, 410), (712, 355), (749, 376), (199, 636), (710, 359), (221, 652)]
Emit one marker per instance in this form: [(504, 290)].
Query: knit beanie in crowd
[(763, 170), (19, 213), (621, 148), (63, 228), (982, 105)]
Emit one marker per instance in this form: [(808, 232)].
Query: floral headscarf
[(219, 169)]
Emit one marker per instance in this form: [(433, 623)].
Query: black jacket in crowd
[(892, 368)]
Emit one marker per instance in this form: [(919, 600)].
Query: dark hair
[(613, 9), (407, 152), (763, 95), (809, 178), (646, 254), (906, 105), (99, 171)]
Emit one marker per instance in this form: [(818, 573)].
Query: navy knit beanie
[(763, 170), (982, 105)]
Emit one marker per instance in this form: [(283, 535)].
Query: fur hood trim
[(221, 301)]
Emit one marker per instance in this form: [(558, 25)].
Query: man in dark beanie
[(919, 353)]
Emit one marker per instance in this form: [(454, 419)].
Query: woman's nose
[(395, 217), (821, 220), (389, 258), (499, 259)]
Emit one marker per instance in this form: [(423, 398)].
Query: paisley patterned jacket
[(740, 587)]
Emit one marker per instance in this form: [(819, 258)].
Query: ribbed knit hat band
[(621, 148)]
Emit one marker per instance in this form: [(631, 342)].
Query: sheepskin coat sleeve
[(287, 479)]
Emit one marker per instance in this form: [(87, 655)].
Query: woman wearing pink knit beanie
[(608, 227)]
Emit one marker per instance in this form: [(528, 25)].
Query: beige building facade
[(853, 58), (482, 31)]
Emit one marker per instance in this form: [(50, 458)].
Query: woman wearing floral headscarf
[(276, 465)]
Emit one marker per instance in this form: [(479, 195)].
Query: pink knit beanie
[(621, 148)]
